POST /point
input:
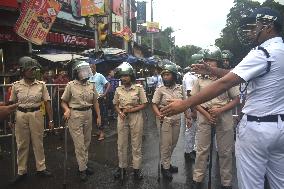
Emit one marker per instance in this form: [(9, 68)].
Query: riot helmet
[(196, 58), (212, 52), (27, 62), (169, 67), (251, 27), (227, 57), (124, 69), (81, 70)]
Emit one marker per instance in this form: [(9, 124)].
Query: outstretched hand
[(175, 106), (203, 68)]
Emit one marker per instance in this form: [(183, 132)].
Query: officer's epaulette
[(42, 82), (138, 85), (16, 82)]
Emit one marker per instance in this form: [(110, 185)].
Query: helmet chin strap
[(168, 83)]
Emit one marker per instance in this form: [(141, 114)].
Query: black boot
[(167, 174), (196, 185), (117, 173), (89, 171), (138, 174), (83, 176), (226, 187), (173, 169), (18, 178), (44, 173)]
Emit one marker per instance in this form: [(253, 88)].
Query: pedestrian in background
[(78, 100), (29, 121), (129, 100), (102, 87), (114, 83)]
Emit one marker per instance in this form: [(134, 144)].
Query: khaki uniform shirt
[(220, 100), (29, 96), (163, 94), (79, 95), (129, 98)]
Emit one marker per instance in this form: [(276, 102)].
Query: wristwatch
[(51, 121)]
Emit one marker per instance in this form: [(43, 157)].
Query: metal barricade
[(54, 94)]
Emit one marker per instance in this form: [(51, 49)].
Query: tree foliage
[(241, 8), (182, 54), (164, 41)]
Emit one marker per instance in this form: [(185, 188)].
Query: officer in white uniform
[(260, 134)]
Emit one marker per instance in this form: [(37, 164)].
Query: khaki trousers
[(169, 137), (133, 123), (225, 140), (29, 127), (80, 128)]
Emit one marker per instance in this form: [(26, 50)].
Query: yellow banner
[(36, 19), (153, 27)]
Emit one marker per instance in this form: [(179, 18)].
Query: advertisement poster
[(153, 27), (81, 8), (36, 19)]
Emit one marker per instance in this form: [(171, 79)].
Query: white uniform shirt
[(265, 95), (188, 82), (157, 79)]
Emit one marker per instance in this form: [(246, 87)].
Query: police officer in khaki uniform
[(78, 99), (129, 100), (171, 125), (29, 121), (214, 113)]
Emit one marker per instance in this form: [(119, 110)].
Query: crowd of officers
[(81, 96), (204, 122)]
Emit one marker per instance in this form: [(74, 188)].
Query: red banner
[(36, 19), (7, 34), (9, 3)]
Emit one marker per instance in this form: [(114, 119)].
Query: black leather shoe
[(18, 178), (44, 173), (196, 185), (167, 174), (138, 174), (83, 176), (117, 173), (89, 171), (173, 169), (226, 187)]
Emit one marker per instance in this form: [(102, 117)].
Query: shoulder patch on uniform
[(16, 82), (42, 82), (138, 85)]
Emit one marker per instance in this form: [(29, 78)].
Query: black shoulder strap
[(268, 67), (268, 62)]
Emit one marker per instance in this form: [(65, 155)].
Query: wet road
[(103, 158)]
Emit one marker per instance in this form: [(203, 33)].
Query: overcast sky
[(196, 22)]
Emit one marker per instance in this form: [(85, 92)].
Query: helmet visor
[(84, 72)]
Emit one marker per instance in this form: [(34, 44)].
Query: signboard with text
[(153, 27), (36, 19), (81, 8)]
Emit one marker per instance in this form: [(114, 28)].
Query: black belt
[(82, 109), (269, 118), (25, 110)]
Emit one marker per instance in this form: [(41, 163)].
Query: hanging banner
[(141, 12), (36, 19), (81, 8), (126, 33), (153, 27)]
